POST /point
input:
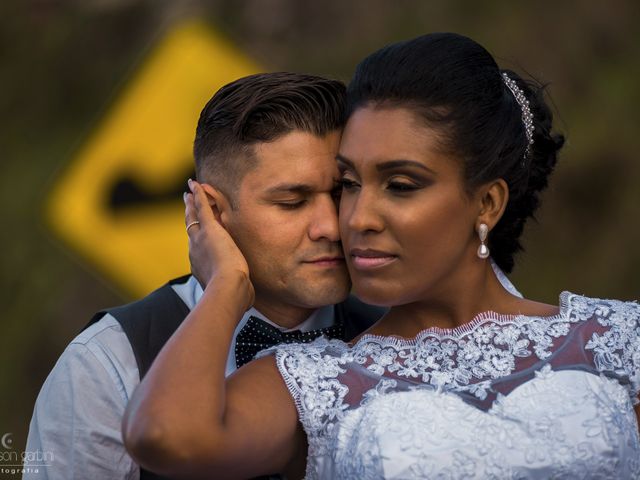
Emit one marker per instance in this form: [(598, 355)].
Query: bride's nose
[(359, 211)]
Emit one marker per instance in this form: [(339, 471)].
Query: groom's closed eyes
[(291, 196)]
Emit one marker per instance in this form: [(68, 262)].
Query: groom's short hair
[(261, 108)]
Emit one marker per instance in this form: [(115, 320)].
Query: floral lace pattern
[(617, 350), (359, 405), (566, 428)]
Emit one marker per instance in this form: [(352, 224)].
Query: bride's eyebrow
[(391, 164), (344, 160), (388, 165)]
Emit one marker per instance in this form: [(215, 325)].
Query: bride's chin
[(372, 295)]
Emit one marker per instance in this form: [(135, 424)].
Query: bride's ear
[(219, 203), (494, 197)]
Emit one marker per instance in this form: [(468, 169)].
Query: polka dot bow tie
[(257, 335)]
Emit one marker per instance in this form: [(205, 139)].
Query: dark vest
[(150, 321)]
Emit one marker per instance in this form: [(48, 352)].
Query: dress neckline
[(461, 330)]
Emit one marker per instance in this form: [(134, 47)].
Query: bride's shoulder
[(606, 311)]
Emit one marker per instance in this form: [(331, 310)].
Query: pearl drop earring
[(483, 250)]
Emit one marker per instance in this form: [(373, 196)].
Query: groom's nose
[(323, 224)]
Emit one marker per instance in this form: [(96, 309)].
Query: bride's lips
[(366, 259)]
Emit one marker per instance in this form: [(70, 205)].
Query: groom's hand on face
[(212, 251)]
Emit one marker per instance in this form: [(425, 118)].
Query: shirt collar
[(323, 317)]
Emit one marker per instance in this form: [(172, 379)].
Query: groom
[(268, 143)]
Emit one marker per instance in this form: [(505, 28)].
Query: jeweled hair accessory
[(527, 116)]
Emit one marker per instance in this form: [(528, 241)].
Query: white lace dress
[(500, 398)]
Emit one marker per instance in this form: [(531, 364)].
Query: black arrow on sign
[(127, 193)]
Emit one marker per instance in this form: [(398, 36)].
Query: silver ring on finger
[(195, 222)]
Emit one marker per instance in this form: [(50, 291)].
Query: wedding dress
[(502, 397)]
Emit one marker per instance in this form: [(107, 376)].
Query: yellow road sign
[(119, 204)]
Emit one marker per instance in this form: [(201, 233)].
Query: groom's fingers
[(203, 212), (189, 209)]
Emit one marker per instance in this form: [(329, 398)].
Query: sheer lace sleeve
[(615, 348), (311, 373)]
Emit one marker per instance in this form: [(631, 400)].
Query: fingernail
[(184, 197), (189, 182)]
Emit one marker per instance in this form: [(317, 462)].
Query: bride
[(442, 161)]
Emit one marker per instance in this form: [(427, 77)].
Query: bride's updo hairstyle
[(456, 87)]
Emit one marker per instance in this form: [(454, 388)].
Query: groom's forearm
[(178, 409)]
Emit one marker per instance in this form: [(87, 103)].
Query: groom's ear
[(219, 203)]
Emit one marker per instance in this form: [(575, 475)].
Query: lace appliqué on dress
[(617, 350)]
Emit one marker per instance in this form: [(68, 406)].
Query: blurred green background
[(63, 63)]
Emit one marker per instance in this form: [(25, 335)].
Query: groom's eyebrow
[(301, 188)]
